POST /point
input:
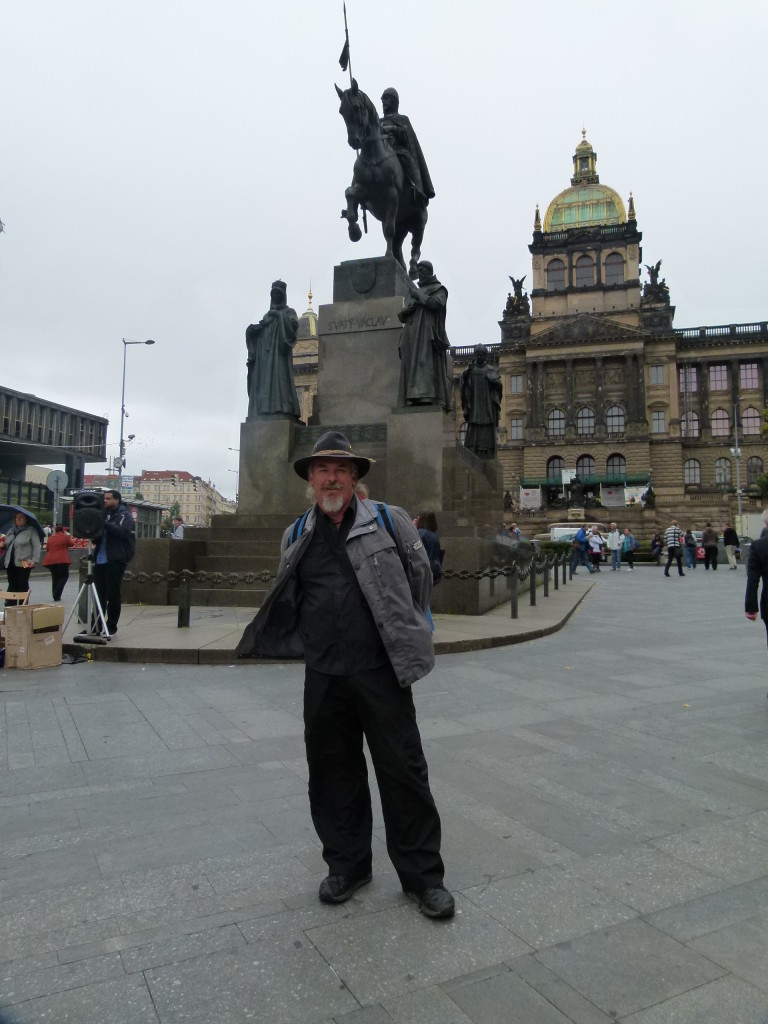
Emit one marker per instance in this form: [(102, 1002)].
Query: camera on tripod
[(88, 515)]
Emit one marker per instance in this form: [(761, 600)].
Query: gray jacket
[(395, 579), (22, 543)]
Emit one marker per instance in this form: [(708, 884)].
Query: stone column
[(540, 393), (530, 419), (703, 371), (569, 421), (735, 383), (641, 414), (629, 387), (599, 403)]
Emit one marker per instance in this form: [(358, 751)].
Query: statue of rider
[(397, 129)]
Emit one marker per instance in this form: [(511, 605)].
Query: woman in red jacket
[(57, 559)]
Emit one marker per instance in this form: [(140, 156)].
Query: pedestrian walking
[(615, 544), (580, 551), (731, 544), (57, 560), (709, 543), (689, 543), (757, 571), (596, 544), (350, 597), (628, 546), (673, 539)]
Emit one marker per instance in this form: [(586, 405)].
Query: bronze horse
[(379, 183)]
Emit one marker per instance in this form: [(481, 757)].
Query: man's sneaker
[(434, 902), (338, 889)]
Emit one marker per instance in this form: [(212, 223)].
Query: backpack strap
[(298, 528), (384, 517)]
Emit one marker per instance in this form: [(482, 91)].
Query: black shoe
[(681, 574), (666, 573), (338, 889), (433, 902)]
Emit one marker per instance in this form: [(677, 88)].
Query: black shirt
[(335, 623)]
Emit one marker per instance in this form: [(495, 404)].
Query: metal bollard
[(533, 583), (566, 563), (556, 573), (546, 576), (513, 579), (185, 602)]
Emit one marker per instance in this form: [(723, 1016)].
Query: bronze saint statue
[(424, 377), (481, 390), (271, 390)]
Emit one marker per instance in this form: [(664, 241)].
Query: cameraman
[(114, 550)]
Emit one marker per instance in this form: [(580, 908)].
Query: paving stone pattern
[(604, 795)]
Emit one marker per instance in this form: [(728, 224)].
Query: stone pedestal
[(358, 368), (417, 438), (267, 481)]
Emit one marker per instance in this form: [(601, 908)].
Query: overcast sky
[(163, 161)]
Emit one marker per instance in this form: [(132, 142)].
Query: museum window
[(689, 425), (718, 378), (516, 384), (585, 466), (657, 374), (616, 465), (556, 423), (614, 420), (555, 276), (614, 269), (754, 468), (515, 429), (748, 376), (751, 422), (721, 426), (555, 467), (585, 271), (689, 374), (585, 420), (692, 471), (658, 422), (722, 471)]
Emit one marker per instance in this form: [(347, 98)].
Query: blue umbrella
[(7, 513)]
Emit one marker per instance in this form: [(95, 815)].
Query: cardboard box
[(33, 636)]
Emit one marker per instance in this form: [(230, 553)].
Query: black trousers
[(59, 577), (338, 712), (108, 578), (677, 555), (18, 580), (710, 557)]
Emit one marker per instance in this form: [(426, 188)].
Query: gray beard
[(331, 503)]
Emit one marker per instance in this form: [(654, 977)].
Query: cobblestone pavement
[(604, 795)]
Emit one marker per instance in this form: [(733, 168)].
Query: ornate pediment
[(586, 329)]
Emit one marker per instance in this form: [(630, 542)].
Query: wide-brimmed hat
[(333, 445)]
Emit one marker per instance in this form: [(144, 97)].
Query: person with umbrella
[(22, 543)]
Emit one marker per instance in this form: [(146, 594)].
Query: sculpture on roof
[(518, 303), (390, 176), (655, 290)]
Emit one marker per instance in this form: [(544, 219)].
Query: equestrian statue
[(390, 177)]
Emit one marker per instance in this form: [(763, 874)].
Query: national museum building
[(598, 382)]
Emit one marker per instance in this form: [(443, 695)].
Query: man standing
[(114, 551), (730, 543), (615, 546), (178, 528), (628, 545), (350, 597), (424, 377), (397, 129), (673, 540), (709, 543), (757, 570)]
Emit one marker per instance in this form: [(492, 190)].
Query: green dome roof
[(582, 206)]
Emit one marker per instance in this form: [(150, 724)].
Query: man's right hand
[(751, 616)]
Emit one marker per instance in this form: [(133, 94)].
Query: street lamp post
[(121, 457)]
